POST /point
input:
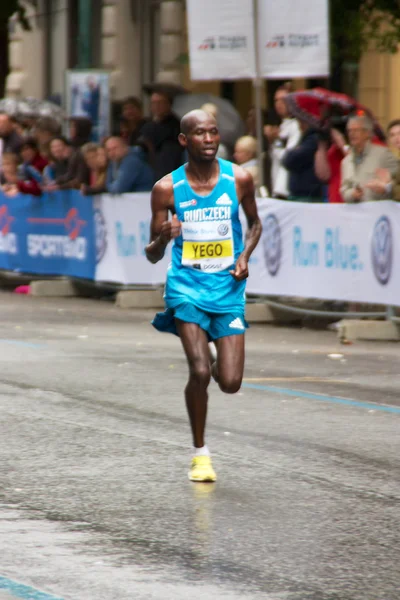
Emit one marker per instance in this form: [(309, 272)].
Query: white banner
[(122, 232), (327, 251), (221, 39), (293, 38)]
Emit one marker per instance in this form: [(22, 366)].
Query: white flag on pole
[(293, 38), (221, 39)]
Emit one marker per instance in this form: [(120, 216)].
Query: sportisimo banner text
[(50, 235)]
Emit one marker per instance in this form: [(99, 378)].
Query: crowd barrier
[(333, 252)]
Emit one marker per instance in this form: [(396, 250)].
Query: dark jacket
[(299, 161), (166, 153), (131, 174), (12, 143), (77, 171), (83, 131)]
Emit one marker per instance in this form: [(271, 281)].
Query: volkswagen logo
[(272, 244), (382, 250), (223, 229)]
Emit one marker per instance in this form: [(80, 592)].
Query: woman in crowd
[(246, 156), (96, 161), (68, 168)]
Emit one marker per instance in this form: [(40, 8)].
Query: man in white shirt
[(361, 169), (287, 137)]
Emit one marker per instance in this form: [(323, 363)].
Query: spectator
[(60, 151), (16, 180), (304, 184), (80, 130), (362, 167), (161, 136), (32, 167), (251, 121), (132, 119), (31, 156), (127, 170), (68, 168), (9, 174), (212, 109), (394, 137), (272, 123), (45, 130), (10, 140), (96, 161), (124, 130), (19, 127), (246, 156), (286, 138), (332, 148)]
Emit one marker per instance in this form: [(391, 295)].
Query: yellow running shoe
[(201, 469)]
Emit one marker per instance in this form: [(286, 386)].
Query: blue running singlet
[(208, 247)]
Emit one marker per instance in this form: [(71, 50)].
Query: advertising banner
[(221, 39), (122, 233), (341, 252), (51, 235), (293, 38), (326, 251)]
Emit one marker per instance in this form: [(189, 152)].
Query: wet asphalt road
[(94, 449)]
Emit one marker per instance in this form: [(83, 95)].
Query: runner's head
[(200, 136)]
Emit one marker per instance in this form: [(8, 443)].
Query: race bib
[(207, 245)]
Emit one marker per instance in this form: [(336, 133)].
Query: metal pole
[(257, 86), (85, 31)]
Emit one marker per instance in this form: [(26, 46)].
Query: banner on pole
[(221, 39), (293, 38)]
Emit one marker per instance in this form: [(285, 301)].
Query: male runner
[(205, 288)]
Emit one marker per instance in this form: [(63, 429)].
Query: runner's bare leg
[(195, 344), (230, 363)]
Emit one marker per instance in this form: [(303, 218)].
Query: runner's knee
[(230, 385), (200, 372)]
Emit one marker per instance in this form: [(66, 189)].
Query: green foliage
[(360, 24)]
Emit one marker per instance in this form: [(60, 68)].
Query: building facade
[(140, 41)]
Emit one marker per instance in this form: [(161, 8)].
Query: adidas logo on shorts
[(236, 324)]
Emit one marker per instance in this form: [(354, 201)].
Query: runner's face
[(203, 140)]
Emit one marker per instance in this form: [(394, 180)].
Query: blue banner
[(52, 234)]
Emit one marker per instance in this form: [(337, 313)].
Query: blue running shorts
[(216, 325)]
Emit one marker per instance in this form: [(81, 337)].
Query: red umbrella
[(322, 108)]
